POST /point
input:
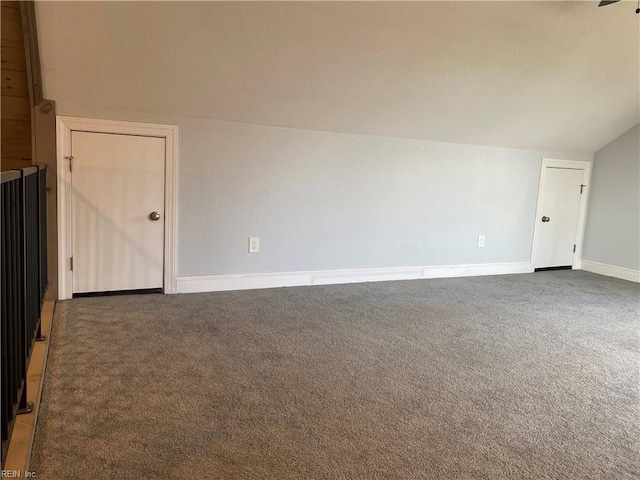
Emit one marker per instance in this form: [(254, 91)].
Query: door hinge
[(574, 248), (70, 158), (582, 189), (71, 264)]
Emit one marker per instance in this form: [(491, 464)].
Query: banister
[(23, 274), (28, 170), (9, 176)]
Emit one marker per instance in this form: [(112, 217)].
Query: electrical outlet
[(254, 245), (480, 241)]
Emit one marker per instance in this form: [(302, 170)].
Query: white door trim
[(582, 212), (64, 127)]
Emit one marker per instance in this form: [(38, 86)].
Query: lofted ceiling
[(534, 75)]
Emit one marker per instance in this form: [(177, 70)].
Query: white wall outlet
[(480, 241), (254, 245)]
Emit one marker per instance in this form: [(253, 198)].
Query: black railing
[(23, 259)]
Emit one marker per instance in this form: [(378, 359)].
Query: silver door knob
[(154, 216), (545, 219)]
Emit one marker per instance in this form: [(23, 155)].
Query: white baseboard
[(611, 270), (219, 283)]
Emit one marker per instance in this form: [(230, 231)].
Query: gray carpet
[(521, 376)]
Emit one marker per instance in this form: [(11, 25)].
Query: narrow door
[(558, 226), (117, 209)]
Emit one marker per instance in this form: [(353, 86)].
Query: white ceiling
[(533, 75)]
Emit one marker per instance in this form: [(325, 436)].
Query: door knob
[(154, 216), (545, 219)]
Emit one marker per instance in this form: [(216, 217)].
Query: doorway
[(117, 211), (116, 183), (560, 214)]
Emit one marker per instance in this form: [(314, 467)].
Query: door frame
[(64, 126), (582, 212)]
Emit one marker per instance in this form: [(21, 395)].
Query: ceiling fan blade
[(604, 3)]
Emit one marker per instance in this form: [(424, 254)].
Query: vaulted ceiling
[(535, 75)]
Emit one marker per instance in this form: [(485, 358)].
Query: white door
[(117, 182), (558, 217)]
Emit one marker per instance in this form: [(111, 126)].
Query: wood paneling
[(11, 43), (17, 143), (14, 84), (11, 25), (13, 58), (45, 154), (16, 138), (16, 108), (11, 163), (17, 131), (19, 150)]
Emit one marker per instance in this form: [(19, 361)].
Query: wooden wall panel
[(15, 108), (14, 84), (16, 133), (11, 25), (13, 58), (10, 163), (16, 139), (19, 150), (19, 131), (46, 154)]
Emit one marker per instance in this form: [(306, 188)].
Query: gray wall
[(318, 200), (321, 200), (612, 234)]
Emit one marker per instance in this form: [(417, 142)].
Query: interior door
[(117, 209), (559, 220)]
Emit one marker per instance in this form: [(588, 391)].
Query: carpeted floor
[(522, 377)]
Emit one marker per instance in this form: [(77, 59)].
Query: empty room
[(321, 240)]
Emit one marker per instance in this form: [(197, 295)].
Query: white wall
[(612, 234)]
